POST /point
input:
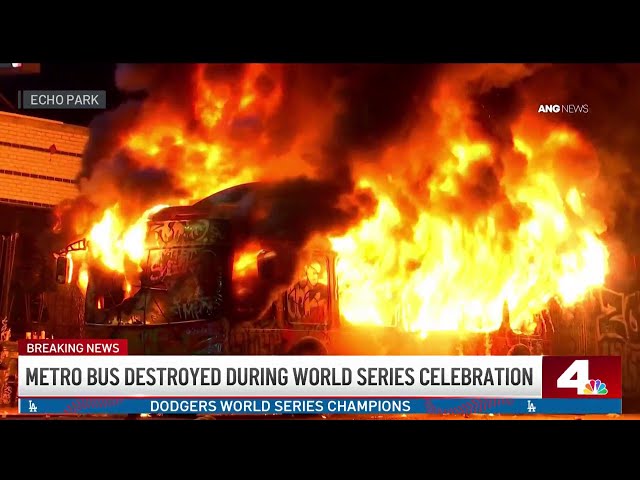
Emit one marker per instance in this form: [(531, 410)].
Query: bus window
[(251, 290)]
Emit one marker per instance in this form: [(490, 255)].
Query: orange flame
[(451, 275), (113, 241), (70, 271), (433, 259), (83, 278), (246, 261), (115, 244)]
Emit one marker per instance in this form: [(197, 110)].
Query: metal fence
[(65, 309), (8, 350), (7, 257)]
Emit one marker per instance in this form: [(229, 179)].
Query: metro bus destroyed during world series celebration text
[(265, 376)]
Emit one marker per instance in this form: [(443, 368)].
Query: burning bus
[(450, 218), (207, 285)]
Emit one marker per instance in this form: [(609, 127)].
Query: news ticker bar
[(309, 406), (62, 99)]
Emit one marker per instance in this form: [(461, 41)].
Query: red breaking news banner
[(72, 347), (581, 377)]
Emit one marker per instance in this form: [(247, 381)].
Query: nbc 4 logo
[(595, 387), (577, 377)]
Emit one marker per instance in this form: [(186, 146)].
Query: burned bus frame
[(186, 302)]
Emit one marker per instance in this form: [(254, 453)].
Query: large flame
[(115, 244), (245, 262), (114, 241), (432, 270), (448, 272), (447, 275)]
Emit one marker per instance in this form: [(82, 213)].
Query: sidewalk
[(12, 414)]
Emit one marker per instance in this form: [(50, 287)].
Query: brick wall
[(29, 173)]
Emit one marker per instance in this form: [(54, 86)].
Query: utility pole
[(7, 103), (12, 70)]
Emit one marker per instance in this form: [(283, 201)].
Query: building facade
[(39, 160)]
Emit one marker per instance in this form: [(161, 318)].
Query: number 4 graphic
[(576, 376)]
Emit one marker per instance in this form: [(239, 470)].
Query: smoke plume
[(313, 132), (325, 116)]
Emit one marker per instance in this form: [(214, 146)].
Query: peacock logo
[(595, 387)]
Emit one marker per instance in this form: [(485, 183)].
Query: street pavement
[(9, 414)]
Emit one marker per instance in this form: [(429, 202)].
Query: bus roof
[(226, 203), (232, 195)]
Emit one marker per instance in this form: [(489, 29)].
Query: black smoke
[(361, 110), (293, 210), (375, 104), (104, 136), (612, 125)]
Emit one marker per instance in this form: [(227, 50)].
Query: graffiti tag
[(5, 331), (249, 341), (307, 299), (171, 262), (173, 233), (616, 322), (194, 309)]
